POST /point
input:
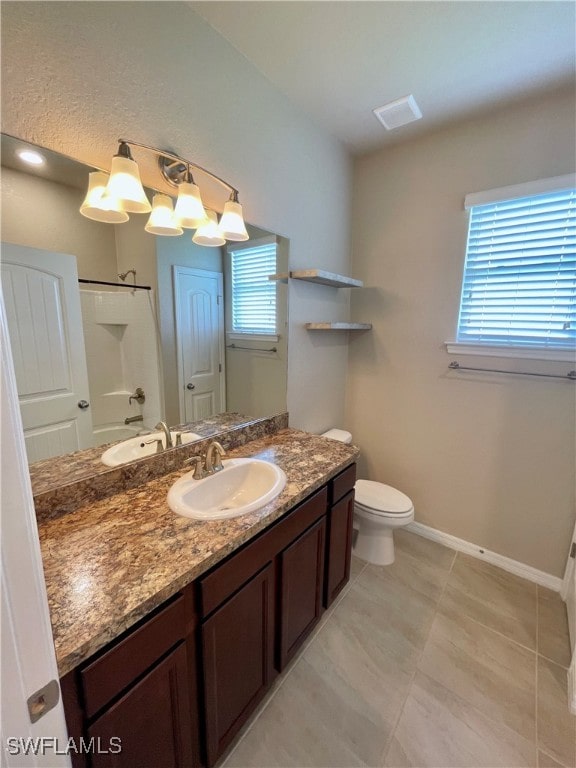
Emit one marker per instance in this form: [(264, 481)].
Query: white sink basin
[(139, 447), (244, 485)]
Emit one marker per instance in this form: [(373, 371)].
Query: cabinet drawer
[(117, 668), (242, 565), (342, 484)]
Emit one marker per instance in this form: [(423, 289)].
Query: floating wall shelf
[(338, 326), (319, 276), (325, 278)]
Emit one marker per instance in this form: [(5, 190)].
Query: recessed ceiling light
[(31, 157), (399, 112)]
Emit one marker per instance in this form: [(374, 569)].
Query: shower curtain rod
[(571, 375), (120, 285)]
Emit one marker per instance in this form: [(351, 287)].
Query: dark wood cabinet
[(135, 702), (339, 535), (177, 687), (339, 547), (149, 726), (301, 579), (238, 649)]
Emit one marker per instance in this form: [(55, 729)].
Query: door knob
[(190, 386), (83, 404)]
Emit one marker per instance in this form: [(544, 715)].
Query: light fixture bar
[(161, 153)]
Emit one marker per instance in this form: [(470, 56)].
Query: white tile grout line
[(388, 747)]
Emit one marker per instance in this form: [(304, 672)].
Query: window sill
[(252, 336), (566, 355)]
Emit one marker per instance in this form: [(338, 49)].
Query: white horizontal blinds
[(520, 277), (253, 295)]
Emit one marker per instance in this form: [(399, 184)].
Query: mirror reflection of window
[(253, 294)]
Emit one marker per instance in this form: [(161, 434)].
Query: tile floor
[(438, 660)]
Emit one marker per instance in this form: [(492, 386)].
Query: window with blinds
[(253, 295), (519, 286)]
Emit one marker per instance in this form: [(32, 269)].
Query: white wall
[(76, 76), (121, 355), (487, 458)]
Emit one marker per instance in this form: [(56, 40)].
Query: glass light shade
[(99, 206), (232, 222), (126, 187), (209, 233), (189, 211), (161, 221)]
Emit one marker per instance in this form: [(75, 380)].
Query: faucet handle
[(158, 441), (178, 439), (198, 470), (138, 395)]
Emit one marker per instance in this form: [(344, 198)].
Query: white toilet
[(378, 509)]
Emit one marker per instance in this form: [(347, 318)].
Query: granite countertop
[(48, 474), (111, 562)]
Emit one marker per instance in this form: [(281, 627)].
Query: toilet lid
[(381, 498)]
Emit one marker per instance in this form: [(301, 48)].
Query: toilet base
[(374, 546)]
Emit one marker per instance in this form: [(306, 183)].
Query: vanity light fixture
[(123, 193), (208, 233), (98, 207), (162, 221)]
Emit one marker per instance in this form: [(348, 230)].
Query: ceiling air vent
[(399, 112)]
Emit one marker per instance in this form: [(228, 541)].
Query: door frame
[(178, 270), (28, 655)]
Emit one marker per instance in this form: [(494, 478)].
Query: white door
[(200, 341), (28, 661), (42, 303)]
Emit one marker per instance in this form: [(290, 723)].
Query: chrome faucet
[(211, 464), (162, 425)]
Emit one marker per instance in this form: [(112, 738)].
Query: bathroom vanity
[(170, 631)]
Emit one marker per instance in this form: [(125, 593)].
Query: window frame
[(508, 349), (231, 333)]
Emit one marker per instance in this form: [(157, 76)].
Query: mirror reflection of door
[(198, 298), (42, 302)]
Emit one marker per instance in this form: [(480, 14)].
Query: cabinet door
[(339, 549), (301, 573), (237, 642), (152, 721)]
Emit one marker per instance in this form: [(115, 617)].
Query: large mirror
[(150, 329)]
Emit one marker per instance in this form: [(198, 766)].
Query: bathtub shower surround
[(121, 355)]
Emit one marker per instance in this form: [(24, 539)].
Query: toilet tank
[(338, 434)]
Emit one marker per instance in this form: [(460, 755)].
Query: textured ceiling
[(337, 61)]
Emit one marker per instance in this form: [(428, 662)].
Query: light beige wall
[(43, 214), (484, 457), (76, 76)]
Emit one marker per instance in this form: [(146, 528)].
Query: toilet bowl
[(378, 509)]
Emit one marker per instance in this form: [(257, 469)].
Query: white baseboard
[(506, 563), (572, 685)]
